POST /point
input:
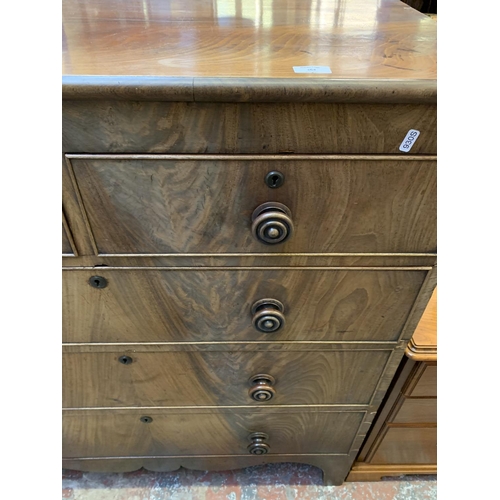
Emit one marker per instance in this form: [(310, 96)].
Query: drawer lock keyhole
[(274, 179), (98, 282)]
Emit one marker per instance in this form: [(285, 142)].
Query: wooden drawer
[(215, 305), (154, 205), (416, 411), (407, 445), (118, 126), (99, 379), (424, 383), (68, 245), (205, 432)]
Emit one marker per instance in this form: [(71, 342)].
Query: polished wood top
[(199, 40), (423, 344)]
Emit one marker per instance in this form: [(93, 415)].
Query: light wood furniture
[(403, 439), (248, 242)]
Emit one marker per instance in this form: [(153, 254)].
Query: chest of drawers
[(403, 438), (247, 249)]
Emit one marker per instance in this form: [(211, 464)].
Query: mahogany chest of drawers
[(249, 228)]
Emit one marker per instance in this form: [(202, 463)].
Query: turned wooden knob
[(262, 389), (268, 315), (272, 223), (258, 447)]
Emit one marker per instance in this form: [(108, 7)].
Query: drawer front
[(424, 383), (216, 305), (416, 411), (407, 445), (112, 433), (161, 206), (100, 379), (121, 126), (66, 245)]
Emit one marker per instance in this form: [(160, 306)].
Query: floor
[(266, 482)]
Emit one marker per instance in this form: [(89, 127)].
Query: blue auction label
[(312, 69), (409, 140)]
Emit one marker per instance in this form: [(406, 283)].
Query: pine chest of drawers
[(249, 228)]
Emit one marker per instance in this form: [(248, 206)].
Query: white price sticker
[(312, 69), (409, 140)]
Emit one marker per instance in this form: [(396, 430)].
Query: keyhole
[(274, 179), (98, 282)]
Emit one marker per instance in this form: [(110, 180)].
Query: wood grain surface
[(68, 244), (175, 206), (148, 305), (217, 78), (404, 436), (132, 348), (66, 247), (219, 378), (423, 344), (415, 411), (110, 433), (407, 445), (423, 383), (371, 472), (266, 39), (73, 219), (365, 261), (114, 126), (260, 90)]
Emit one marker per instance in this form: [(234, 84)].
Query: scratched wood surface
[(215, 305), (176, 206)]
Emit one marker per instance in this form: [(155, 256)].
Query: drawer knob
[(272, 223), (268, 315), (262, 389), (258, 446)]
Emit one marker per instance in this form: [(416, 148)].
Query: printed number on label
[(409, 140)]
